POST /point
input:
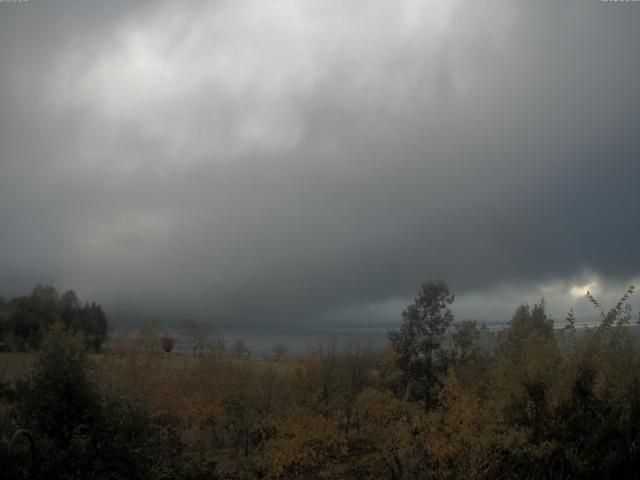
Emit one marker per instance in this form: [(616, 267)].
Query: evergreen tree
[(419, 341)]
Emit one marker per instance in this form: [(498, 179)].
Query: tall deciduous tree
[(465, 339), (527, 325), (419, 340), (60, 398)]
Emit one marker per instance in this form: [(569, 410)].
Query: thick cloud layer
[(288, 161)]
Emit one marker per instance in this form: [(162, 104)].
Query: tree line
[(25, 320)]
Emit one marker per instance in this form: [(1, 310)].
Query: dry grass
[(15, 366)]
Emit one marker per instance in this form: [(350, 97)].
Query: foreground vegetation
[(538, 403)]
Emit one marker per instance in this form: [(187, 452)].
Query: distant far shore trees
[(25, 320)]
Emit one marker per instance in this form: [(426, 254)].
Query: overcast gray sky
[(282, 162)]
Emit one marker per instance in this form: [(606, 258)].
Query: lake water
[(297, 342), (261, 342)]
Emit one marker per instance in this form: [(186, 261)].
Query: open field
[(15, 366)]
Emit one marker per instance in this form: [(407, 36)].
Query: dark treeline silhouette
[(445, 400), (25, 320)]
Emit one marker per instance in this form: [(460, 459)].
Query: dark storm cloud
[(262, 162)]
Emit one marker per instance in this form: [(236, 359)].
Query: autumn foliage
[(524, 402)]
